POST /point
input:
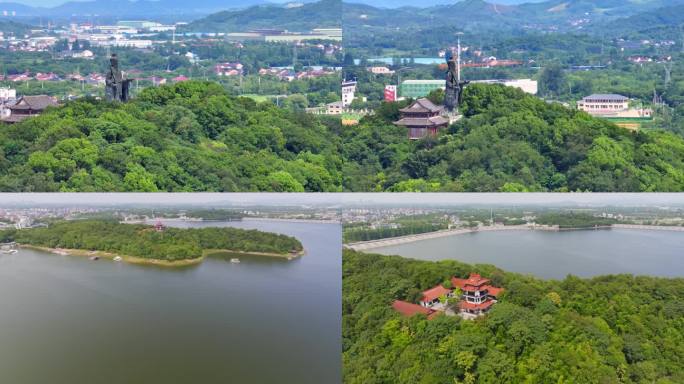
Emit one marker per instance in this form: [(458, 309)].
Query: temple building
[(422, 118), (477, 295), (28, 106), (159, 227)]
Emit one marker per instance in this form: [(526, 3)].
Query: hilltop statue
[(116, 87), (453, 95)]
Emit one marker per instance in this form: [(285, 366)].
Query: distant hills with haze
[(148, 9)]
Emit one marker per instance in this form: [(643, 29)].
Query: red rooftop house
[(478, 295), (422, 118), (432, 295), (409, 309)]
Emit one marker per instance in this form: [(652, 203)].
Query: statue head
[(114, 61)]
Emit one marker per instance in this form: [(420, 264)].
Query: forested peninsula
[(144, 243), (608, 329)]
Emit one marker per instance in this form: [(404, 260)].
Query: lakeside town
[(52, 64), (23, 218), (370, 228)]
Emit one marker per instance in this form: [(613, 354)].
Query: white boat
[(235, 261), (117, 258)]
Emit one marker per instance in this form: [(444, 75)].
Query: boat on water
[(9, 251), (235, 260), (117, 258)]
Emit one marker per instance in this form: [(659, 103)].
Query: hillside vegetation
[(609, 329), (511, 141), (145, 242), (191, 136), (320, 14)]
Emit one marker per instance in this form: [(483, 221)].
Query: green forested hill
[(610, 329), (319, 14), (9, 27), (190, 136), (511, 141), (144, 242)]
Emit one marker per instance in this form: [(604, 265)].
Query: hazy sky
[(365, 199), (428, 3), (52, 3)]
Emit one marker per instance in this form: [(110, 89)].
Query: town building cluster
[(469, 298)]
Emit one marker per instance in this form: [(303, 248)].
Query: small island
[(146, 244)]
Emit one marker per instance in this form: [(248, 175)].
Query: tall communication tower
[(668, 72)]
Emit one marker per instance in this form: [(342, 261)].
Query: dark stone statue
[(116, 87), (453, 95)]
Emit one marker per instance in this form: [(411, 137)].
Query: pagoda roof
[(410, 309), (434, 121), (434, 293), (422, 105), (475, 306), (36, 103), (473, 281), (494, 291)]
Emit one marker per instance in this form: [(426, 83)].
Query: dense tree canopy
[(610, 329), (190, 136), (511, 141), (145, 242)]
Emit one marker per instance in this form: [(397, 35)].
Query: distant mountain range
[(474, 14), (321, 14), (429, 3), (140, 8)]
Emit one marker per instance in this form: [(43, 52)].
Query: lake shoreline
[(400, 240), (156, 262)]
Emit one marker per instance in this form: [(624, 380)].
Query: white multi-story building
[(348, 91), (603, 103)]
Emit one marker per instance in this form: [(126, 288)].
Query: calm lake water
[(66, 319), (557, 254)]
